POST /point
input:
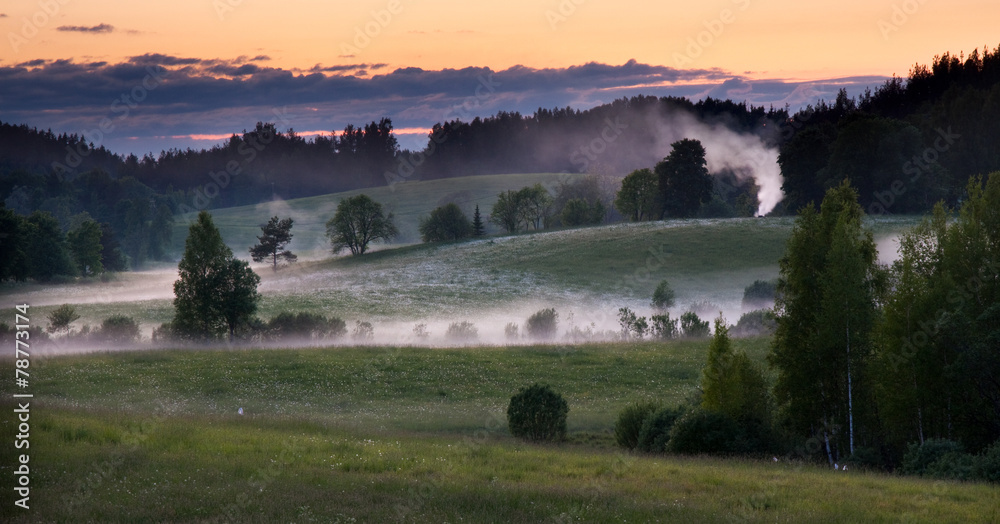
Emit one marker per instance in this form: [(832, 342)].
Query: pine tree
[(477, 224), (275, 235), (216, 292)]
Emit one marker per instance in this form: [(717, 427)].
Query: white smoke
[(745, 155)]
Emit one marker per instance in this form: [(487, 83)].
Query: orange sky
[(767, 38)]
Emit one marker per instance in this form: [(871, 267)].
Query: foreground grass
[(406, 435), (102, 466)]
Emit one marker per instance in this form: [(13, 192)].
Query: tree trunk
[(850, 400)]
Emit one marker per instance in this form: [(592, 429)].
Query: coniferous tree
[(477, 223), (275, 235)]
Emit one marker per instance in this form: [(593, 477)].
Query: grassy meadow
[(411, 435)]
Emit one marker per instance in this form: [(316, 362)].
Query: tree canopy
[(359, 221), (683, 179), (216, 292), (447, 222), (275, 235)]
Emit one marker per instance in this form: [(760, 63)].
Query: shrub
[(632, 326), (692, 326), (664, 327), (954, 465), (306, 325), (988, 466), (61, 317), (759, 295), (463, 331), (663, 296), (655, 431), (630, 421), (420, 331), (363, 331), (866, 458), (757, 322), (542, 324), (920, 457), (510, 331), (702, 431), (119, 329), (537, 413)]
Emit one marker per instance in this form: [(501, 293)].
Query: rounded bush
[(701, 431), (630, 421), (919, 457), (655, 431), (542, 324), (537, 413), (119, 329)]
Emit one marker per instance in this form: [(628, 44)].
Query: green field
[(410, 435)]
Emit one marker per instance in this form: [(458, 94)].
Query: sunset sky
[(316, 65)]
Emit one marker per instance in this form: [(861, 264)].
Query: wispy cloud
[(96, 29)]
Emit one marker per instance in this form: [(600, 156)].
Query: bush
[(663, 296), (692, 326), (867, 459), (919, 458), (759, 295), (953, 465), (632, 326), (655, 431), (630, 422), (363, 331), (757, 322), (988, 464), (542, 324), (447, 222), (510, 331), (61, 317), (305, 325), (701, 431), (463, 331), (119, 329), (664, 327), (537, 413)]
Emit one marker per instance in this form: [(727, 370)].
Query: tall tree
[(506, 211), (85, 243), (48, 252), (638, 195), (216, 292), (477, 223), (826, 304), (359, 221), (684, 182), (275, 235)]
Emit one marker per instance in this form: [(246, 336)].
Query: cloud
[(212, 96), (3, 15), (101, 28)]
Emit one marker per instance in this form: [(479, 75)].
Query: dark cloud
[(260, 58), (101, 28), (168, 95), (3, 15)]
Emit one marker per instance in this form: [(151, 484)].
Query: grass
[(408, 201), (408, 435)]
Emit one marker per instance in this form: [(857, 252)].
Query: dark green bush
[(655, 431), (700, 431), (866, 458), (537, 413), (630, 421), (305, 325), (919, 458), (692, 326), (757, 322), (759, 295), (119, 329), (953, 465), (663, 326), (988, 464), (542, 324)]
